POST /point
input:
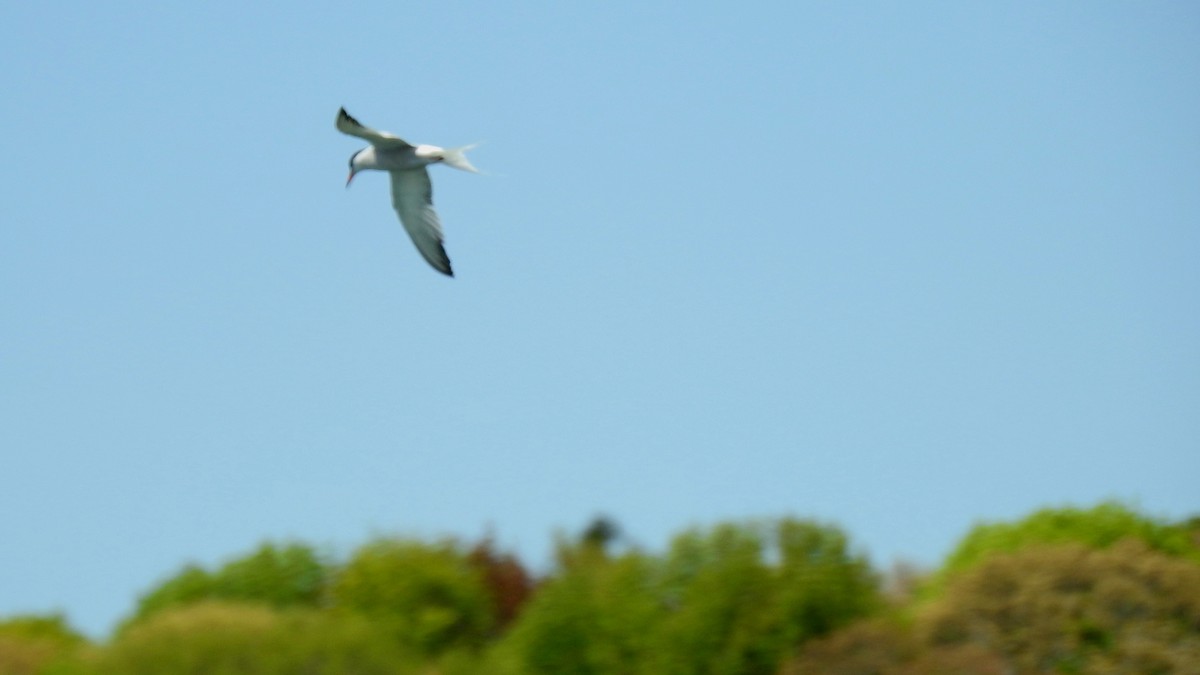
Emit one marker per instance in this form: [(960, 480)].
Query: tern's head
[(363, 159), (353, 168)]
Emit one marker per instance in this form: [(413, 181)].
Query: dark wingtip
[(442, 264)]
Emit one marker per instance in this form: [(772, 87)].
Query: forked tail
[(457, 158)]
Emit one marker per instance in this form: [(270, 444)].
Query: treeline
[(1099, 590)]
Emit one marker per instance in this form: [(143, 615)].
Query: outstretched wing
[(412, 195), (348, 125)]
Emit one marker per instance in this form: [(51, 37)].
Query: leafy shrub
[(736, 598), (595, 617), (1098, 527), (35, 643), (430, 595), (743, 596), (1074, 609), (888, 647), (280, 576), (216, 638)]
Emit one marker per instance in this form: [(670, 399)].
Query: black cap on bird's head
[(352, 171)]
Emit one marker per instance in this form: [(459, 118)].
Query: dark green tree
[(431, 595), (735, 598), (742, 597), (281, 576), (602, 532), (596, 616), (278, 575)]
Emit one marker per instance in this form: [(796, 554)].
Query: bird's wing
[(412, 195), (348, 125)]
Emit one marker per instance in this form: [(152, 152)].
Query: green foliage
[(32, 644), (823, 585), (1101, 590), (887, 647), (430, 595), (47, 627), (724, 603), (596, 617), (601, 533), (1073, 591), (1073, 609), (744, 595), (214, 638), (278, 576), (733, 599), (191, 584), (1097, 527), (1057, 608)]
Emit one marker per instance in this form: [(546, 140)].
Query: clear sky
[(900, 266)]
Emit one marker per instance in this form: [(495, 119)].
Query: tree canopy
[(276, 575), (1065, 590), (431, 595)]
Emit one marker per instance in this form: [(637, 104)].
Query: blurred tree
[(888, 647), (31, 644), (508, 584), (596, 616), (870, 647), (902, 583), (191, 584), (724, 604), (216, 638), (594, 541), (823, 585), (601, 533), (1069, 608), (736, 599), (50, 627), (280, 576), (276, 575), (743, 596), (1097, 527), (1192, 527), (431, 595)]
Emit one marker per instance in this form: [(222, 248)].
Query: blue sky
[(901, 266)]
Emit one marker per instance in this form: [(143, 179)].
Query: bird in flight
[(412, 193)]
